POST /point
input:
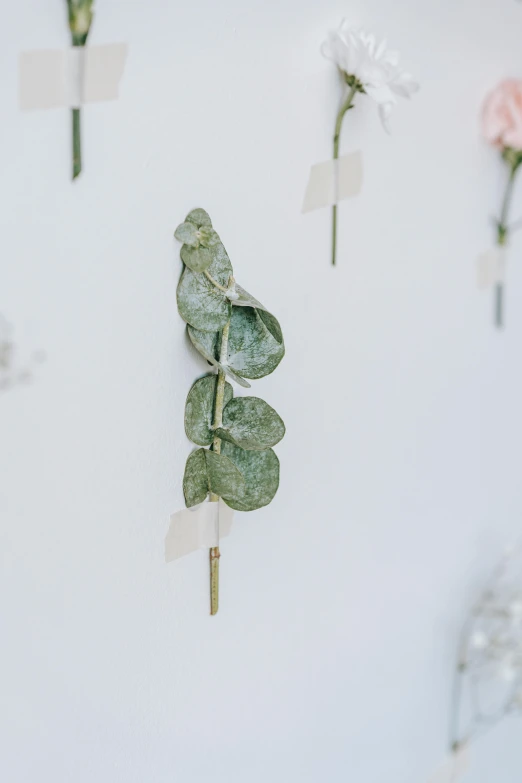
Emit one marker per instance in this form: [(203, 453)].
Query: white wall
[(331, 656)]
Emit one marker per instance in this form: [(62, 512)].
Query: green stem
[(502, 240), (76, 144), (455, 740), (216, 447), (337, 135), (78, 39), (499, 302)]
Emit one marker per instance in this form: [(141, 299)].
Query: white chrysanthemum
[(358, 54)]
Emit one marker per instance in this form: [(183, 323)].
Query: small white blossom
[(358, 54)]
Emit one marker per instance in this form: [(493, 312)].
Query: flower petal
[(385, 110), (404, 85), (359, 54)]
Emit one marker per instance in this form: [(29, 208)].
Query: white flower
[(359, 55)]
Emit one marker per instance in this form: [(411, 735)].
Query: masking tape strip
[(491, 267), (454, 767), (333, 181), (199, 527), (51, 79)]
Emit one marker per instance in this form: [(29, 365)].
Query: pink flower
[(502, 115)]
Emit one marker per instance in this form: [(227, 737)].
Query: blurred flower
[(479, 640), (508, 671), (370, 66), (515, 609), (502, 115), (502, 127)]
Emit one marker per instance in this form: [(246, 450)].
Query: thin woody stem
[(337, 135), (215, 282), (216, 447)]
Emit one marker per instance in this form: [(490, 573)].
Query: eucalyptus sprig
[(241, 340), (80, 13)]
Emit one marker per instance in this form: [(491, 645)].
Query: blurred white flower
[(508, 672), (370, 64), (479, 640)]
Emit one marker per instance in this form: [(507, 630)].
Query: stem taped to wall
[(242, 341), (80, 15)]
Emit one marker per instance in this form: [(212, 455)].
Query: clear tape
[(199, 527), (491, 267), (333, 181), (69, 78)]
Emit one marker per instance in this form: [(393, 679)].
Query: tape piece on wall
[(199, 527), (454, 767), (333, 181), (491, 267), (69, 78)]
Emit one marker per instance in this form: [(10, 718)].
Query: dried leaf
[(207, 343), (272, 324), (187, 233), (251, 423), (254, 349), (206, 471), (200, 303), (224, 478), (208, 237), (244, 299), (260, 470), (199, 218), (195, 480), (199, 409), (196, 258)]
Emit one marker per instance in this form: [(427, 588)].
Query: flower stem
[(76, 144), (80, 16), (216, 447), (337, 135), (502, 240)]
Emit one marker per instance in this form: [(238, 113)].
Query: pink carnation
[(502, 115)]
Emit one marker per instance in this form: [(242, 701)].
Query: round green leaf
[(199, 218), (200, 303), (251, 423), (272, 324), (224, 479), (254, 349), (207, 344), (199, 409), (195, 480), (260, 470), (206, 471), (187, 233), (208, 237), (196, 258), (244, 299)]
